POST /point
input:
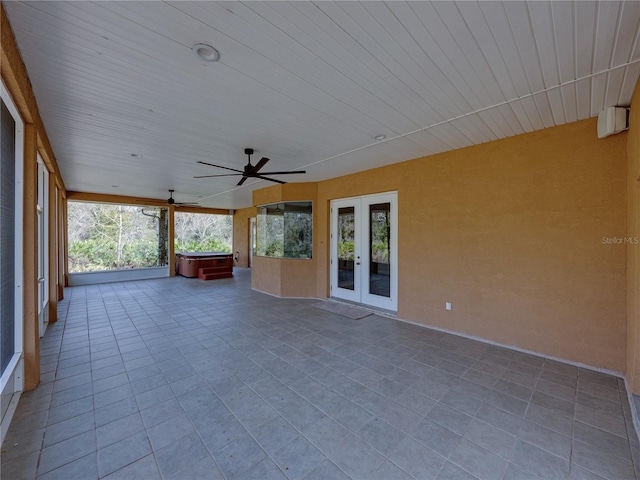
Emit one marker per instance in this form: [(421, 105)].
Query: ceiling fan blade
[(242, 180), (263, 161), (221, 175), (185, 203), (282, 173), (220, 166), (268, 178)]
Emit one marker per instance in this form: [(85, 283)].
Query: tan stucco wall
[(281, 276), (511, 233), (633, 249), (284, 277), (298, 277), (266, 276), (305, 191), (241, 235)]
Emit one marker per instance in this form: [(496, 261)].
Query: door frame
[(12, 379), (360, 293), (335, 291), (252, 239), (42, 215)]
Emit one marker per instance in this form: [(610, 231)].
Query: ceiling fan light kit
[(249, 171)]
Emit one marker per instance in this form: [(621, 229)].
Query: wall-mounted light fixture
[(612, 120)]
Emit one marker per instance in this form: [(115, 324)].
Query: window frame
[(14, 370), (259, 215)]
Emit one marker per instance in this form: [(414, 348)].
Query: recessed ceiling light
[(380, 137), (136, 155), (206, 52)]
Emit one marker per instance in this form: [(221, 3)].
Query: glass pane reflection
[(379, 249), (346, 247)]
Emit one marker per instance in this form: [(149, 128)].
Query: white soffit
[(307, 84)]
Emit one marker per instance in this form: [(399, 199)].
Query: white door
[(253, 236), (43, 246), (364, 250)]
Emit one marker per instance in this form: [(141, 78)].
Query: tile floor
[(179, 378)]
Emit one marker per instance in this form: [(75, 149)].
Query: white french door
[(364, 250), (42, 211), (253, 239)]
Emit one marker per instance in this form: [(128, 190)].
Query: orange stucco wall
[(511, 233), (266, 276), (633, 248), (283, 276), (241, 236)]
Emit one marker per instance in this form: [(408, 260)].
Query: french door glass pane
[(346, 248), (379, 249)]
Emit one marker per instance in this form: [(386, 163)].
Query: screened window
[(201, 232), (116, 237), (7, 236)]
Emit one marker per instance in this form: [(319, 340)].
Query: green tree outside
[(115, 237)]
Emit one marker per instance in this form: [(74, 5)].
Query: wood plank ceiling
[(307, 84)]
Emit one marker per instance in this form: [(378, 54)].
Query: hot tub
[(202, 264)]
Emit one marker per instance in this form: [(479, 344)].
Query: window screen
[(7, 236)]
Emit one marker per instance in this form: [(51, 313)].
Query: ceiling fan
[(171, 201), (250, 171)]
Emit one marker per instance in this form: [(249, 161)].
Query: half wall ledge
[(109, 276)]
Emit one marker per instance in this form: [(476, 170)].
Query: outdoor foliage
[(346, 251), (346, 235), (197, 232), (114, 237), (285, 230), (108, 237), (379, 235)]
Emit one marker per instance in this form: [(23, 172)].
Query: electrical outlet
[(447, 305)]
